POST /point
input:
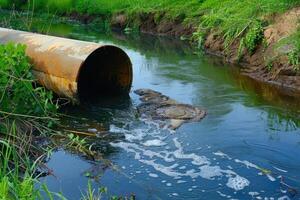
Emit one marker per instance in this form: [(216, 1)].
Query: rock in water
[(158, 107)]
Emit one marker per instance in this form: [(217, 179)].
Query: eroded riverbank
[(245, 148)]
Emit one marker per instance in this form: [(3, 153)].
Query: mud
[(166, 111)]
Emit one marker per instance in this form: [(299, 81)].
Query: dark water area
[(246, 148)]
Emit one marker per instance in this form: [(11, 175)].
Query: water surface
[(246, 148)]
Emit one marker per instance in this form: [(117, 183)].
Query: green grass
[(232, 19), (171, 7), (23, 110), (294, 54), (243, 20), (27, 111)]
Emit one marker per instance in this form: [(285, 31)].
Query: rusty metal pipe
[(73, 68)]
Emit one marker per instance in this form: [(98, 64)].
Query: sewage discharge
[(72, 68)]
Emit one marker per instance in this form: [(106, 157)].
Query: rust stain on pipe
[(73, 68)]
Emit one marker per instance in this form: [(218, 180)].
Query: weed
[(199, 37), (254, 36), (294, 59), (91, 194), (240, 21), (23, 110), (291, 46), (269, 65), (18, 93), (294, 55)]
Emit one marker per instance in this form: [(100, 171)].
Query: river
[(246, 148)]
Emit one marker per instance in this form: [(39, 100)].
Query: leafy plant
[(24, 109), (291, 48), (294, 59), (199, 37), (254, 36), (19, 95), (294, 55)]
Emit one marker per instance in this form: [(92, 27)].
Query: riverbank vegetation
[(26, 112), (262, 33), (29, 121), (238, 25)]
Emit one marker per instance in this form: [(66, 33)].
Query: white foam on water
[(115, 129), (281, 170), (283, 191), (138, 135), (137, 150), (270, 177), (205, 169), (285, 197), (182, 167), (181, 181), (153, 175), (196, 160), (253, 194), (247, 163), (224, 195), (237, 183), (221, 154), (166, 156), (169, 171), (139, 141), (154, 142), (209, 172), (221, 194)]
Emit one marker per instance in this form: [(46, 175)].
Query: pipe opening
[(107, 71)]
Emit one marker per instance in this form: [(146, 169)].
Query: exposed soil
[(154, 23), (253, 65)]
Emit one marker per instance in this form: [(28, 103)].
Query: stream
[(246, 148)]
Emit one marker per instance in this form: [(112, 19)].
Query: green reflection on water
[(282, 105)]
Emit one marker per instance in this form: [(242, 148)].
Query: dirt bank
[(268, 63), (154, 23)]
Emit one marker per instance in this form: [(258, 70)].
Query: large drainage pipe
[(73, 68)]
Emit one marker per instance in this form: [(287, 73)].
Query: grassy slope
[(234, 20)]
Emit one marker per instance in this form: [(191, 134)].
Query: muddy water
[(246, 148)]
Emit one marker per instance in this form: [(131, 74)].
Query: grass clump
[(14, 183), (18, 93), (294, 54), (25, 111), (29, 112), (242, 21)]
